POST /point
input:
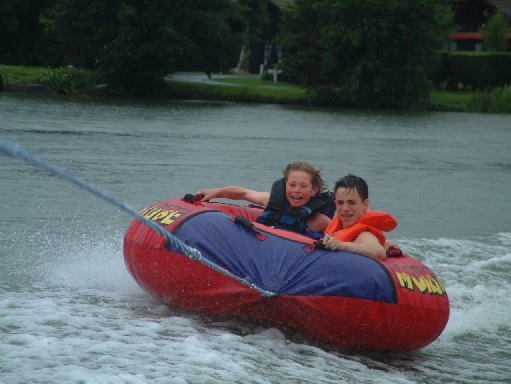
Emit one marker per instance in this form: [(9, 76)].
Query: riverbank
[(239, 88)]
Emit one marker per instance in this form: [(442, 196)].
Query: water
[(71, 313)]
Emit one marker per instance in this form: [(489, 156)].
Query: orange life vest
[(373, 221)]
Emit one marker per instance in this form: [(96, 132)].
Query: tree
[(138, 42), (369, 53), (495, 33), (213, 29), (21, 38), (254, 16), (144, 48), (302, 42), (78, 28)]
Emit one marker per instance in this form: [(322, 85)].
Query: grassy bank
[(21, 75), (249, 89), (240, 89), (450, 101), (57, 80)]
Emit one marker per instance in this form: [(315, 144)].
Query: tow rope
[(13, 150)]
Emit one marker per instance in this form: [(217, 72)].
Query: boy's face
[(349, 206)]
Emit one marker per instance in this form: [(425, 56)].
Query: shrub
[(473, 70), (494, 34), (494, 101), (3, 79), (60, 80)]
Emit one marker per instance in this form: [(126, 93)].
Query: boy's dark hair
[(353, 182)]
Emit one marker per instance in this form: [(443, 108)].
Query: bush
[(494, 101), (494, 34), (472, 70), (440, 72), (3, 79), (59, 80)]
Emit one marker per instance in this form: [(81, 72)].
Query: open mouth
[(296, 199)]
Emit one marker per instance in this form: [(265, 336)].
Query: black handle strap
[(249, 226)]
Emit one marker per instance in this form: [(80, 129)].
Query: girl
[(295, 202)]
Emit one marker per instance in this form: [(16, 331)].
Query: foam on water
[(84, 319), (476, 274)]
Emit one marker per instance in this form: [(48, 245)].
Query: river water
[(71, 313)]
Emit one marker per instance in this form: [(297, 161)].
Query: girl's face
[(299, 189), (349, 206)]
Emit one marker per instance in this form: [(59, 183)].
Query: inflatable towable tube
[(331, 297)]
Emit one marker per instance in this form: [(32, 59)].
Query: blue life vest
[(276, 213)]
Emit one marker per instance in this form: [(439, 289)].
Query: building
[(470, 16)]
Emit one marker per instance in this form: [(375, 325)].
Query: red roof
[(466, 36)]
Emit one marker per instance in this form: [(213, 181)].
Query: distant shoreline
[(250, 88)]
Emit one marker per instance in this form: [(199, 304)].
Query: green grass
[(240, 89), (488, 101), (494, 101), (22, 75), (81, 80), (450, 100), (255, 82)]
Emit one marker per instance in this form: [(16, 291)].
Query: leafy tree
[(138, 42), (78, 28), (254, 16), (21, 38), (144, 48), (302, 42), (494, 34), (367, 53), (213, 45)]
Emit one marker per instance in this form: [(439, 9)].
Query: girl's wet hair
[(315, 172), (353, 182)]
